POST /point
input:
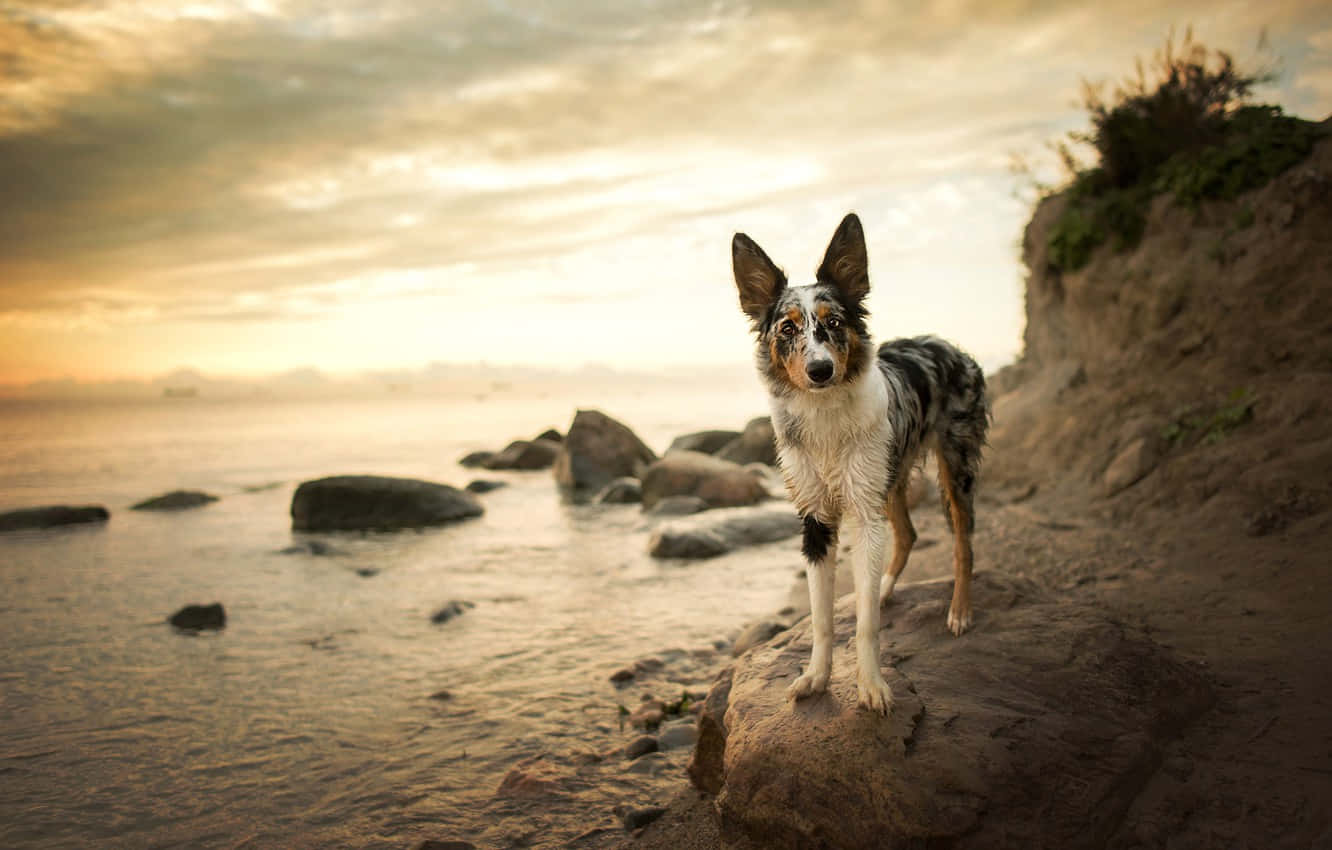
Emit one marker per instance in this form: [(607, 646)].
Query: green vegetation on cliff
[(1185, 130)]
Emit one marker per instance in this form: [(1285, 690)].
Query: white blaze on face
[(814, 350)]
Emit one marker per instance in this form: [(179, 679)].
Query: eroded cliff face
[(1233, 284), (1151, 375)]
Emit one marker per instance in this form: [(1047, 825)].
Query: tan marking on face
[(791, 367), (840, 356), (796, 316), (777, 367), (822, 311), (795, 367)]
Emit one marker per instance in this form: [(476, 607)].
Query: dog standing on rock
[(850, 424)]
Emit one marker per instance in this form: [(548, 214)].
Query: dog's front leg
[(867, 544), (820, 548)]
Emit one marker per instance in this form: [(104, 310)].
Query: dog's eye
[(787, 329), (834, 323)]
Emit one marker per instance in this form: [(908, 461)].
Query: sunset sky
[(250, 187)]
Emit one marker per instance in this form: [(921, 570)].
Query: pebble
[(640, 746), (682, 734), (649, 714), (451, 609)]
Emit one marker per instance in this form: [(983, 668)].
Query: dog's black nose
[(820, 371)]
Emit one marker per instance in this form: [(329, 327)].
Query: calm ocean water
[(307, 721)]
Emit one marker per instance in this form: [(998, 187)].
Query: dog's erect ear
[(846, 265), (757, 278)]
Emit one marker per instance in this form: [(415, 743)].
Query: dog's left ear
[(846, 265)]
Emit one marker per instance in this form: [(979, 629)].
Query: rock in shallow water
[(640, 746), (596, 451), (525, 455), (757, 444), (377, 503), (1034, 729), (451, 609), (682, 733), (678, 506), (707, 442), (51, 516), (721, 531), (621, 491), (176, 500), (475, 459), (193, 618), (720, 483)]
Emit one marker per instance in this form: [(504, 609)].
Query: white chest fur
[(836, 447)]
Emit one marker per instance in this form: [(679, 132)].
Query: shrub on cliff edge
[(1183, 128)]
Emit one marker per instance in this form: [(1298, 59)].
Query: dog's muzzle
[(820, 372)]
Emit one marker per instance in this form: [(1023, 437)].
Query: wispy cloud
[(228, 162)]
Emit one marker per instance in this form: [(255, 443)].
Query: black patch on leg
[(818, 537)]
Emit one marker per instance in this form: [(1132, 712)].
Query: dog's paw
[(959, 619), (808, 683), (875, 694)]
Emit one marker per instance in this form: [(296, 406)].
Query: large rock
[(707, 442), (596, 451), (51, 516), (756, 444), (176, 500), (379, 503), (1034, 729), (525, 454), (721, 531), (720, 483)]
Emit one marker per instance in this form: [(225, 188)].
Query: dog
[(850, 423)]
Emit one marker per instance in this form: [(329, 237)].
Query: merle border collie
[(850, 423)]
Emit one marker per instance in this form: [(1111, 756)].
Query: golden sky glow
[(249, 187)]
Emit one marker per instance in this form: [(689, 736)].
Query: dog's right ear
[(757, 277)]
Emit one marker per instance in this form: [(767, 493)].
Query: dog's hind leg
[(956, 484), (904, 537), (820, 549)]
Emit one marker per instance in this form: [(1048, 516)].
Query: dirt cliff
[(1205, 354)]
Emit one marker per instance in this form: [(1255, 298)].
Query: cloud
[(267, 161)]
